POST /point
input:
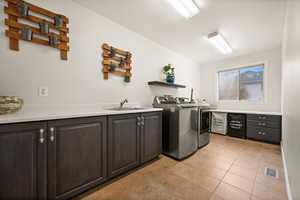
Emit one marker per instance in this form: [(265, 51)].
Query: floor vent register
[(271, 172)]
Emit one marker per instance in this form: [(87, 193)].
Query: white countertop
[(245, 111), (51, 113)]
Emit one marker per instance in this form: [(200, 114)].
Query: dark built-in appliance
[(204, 133), (236, 125)]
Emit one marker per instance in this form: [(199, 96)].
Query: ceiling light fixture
[(219, 42), (187, 8)]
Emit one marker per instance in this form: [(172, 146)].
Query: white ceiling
[(248, 25)]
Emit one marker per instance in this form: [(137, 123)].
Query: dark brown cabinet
[(76, 155), (23, 161), (265, 128), (61, 158), (132, 140), (151, 136), (271, 135), (123, 143)]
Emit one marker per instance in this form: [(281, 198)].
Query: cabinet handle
[(139, 119), (143, 121), (261, 133), (52, 138), (42, 139)]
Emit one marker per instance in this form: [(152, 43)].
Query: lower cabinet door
[(151, 136), (264, 134), (123, 143), (23, 161), (76, 156)]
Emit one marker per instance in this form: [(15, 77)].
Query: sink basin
[(125, 108)]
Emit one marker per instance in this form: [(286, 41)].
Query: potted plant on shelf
[(168, 70), (54, 40), (22, 8), (26, 33)]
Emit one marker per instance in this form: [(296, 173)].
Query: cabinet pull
[(139, 121), (261, 133), (42, 139), (52, 134), (143, 121)]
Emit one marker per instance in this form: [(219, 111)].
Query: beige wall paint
[(79, 80), (272, 103), (291, 96)]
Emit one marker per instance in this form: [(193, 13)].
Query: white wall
[(272, 102), (79, 80), (291, 96)]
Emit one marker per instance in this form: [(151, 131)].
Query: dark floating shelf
[(164, 84)]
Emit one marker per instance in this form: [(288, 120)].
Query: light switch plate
[(43, 91)]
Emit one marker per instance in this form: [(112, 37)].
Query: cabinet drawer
[(254, 117), (268, 124), (264, 134)]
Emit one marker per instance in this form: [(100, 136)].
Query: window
[(242, 84)]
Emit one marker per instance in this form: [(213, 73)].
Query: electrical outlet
[(43, 91)]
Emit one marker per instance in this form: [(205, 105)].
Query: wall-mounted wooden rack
[(117, 62), (38, 37), (164, 84)]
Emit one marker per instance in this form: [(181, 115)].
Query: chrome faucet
[(122, 103), (192, 95)]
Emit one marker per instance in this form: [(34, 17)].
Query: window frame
[(237, 68)]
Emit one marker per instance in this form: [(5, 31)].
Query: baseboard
[(287, 182)]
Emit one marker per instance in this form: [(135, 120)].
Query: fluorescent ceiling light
[(187, 8), (219, 42)]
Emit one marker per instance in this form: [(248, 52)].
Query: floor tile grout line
[(238, 188), (221, 181)]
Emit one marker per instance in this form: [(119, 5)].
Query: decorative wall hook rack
[(117, 62), (18, 9)]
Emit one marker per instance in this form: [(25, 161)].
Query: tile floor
[(226, 169)]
